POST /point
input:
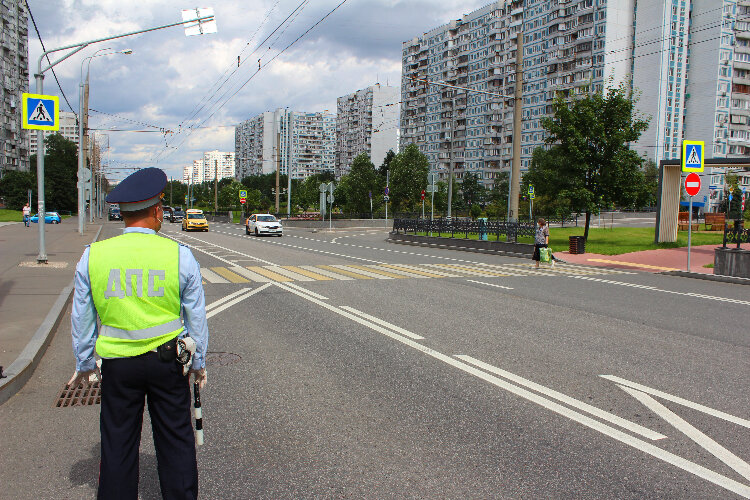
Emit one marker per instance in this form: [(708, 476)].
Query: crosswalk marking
[(269, 274), (348, 272), (226, 273), (316, 276)]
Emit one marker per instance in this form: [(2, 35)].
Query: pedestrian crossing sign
[(40, 112), (693, 156)]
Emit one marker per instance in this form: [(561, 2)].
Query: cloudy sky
[(193, 87)]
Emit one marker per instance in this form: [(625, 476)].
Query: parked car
[(176, 215), (263, 224), (114, 213), (194, 220), (49, 218)]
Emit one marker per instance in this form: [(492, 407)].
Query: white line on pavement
[(490, 284), (211, 276), (384, 323), (228, 297), (614, 433), (593, 410), (219, 309), (313, 294), (700, 439), (653, 288), (681, 401)]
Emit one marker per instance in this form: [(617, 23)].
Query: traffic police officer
[(139, 284)]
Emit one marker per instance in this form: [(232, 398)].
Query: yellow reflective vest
[(135, 284)]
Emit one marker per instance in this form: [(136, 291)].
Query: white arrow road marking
[(228, 297), (213, 245), (229, 304), (614, 433), (676, 399), (701, 439), (593, 410)]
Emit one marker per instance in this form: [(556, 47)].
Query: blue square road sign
[(40, 112)]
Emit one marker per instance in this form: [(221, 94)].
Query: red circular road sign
[(692, 184), (243, 200)]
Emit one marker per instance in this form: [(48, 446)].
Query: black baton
[(198, 415)]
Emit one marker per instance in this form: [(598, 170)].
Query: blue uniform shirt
[(193, 305)]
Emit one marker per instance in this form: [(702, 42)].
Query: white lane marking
[(289, 274), (616, 434), (490, 284), (653, 288), (211, 245), (681, 401), (701, 439), (228, 297), (211, 276), (229, 304), (465, 270), (326, 272), (383, 323), (593, 410), (431, 270), (313, 294), (361, 271)]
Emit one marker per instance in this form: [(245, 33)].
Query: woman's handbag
[(545, 254)]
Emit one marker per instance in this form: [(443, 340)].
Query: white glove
[(199, 377), (85, 378)]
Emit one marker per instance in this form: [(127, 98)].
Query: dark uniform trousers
[(126, 382)]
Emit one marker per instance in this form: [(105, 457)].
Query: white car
[(263, 224)]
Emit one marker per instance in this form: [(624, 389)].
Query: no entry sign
[(692, 184)]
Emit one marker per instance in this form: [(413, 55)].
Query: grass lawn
[(618, 240), (10, 215)]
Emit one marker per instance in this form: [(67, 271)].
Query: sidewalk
[(33, 296)]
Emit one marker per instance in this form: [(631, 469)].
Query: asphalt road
[(344, 366)]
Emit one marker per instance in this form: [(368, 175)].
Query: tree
[(229, 194), (409, 171), (498, 196), (360, 182), (650, 187), (471, 189), (60, 173), (14, 188), (389, 156), (589, 162)]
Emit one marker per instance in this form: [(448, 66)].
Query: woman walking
[(26, 214), (541, 240)]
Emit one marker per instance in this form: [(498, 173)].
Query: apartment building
[(300, 142), (366, 122), (569, 48), (213, 165), (15, 81), (68, 129)]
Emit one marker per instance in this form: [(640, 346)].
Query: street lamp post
[(39, 89)]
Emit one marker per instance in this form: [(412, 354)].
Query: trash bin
[(482, 228), (577, 245)]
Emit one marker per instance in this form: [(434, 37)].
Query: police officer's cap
[(139, 190)]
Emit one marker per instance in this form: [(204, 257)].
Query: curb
[(21, 370), (709, 277), (456, 247)]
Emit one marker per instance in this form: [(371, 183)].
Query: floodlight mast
[(39, 78)]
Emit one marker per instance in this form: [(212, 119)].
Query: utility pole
[(216, 186), (515, 177), (450, 153), (278, 167), (171, 181)]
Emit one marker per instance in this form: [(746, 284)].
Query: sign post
[(531, 202), (692, 186)]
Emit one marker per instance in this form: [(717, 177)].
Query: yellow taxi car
[(194, 220)]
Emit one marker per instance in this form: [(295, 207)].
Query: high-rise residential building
[(366, 122), (569, 49), (214, 165), (68, 129), (304, 143), (15, 81)]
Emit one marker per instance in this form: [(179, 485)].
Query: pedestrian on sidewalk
[(541, 240), (26, 215), (138, 284)]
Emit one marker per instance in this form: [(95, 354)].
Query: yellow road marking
[(377, 271), (269, 274), (414, 271), (469, 270), (226, 273), (346, 273), (633, 264), (307, 273)]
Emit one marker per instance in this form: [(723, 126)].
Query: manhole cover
[(221, 358), (80, 396)]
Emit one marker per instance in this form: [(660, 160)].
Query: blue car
[(49, 218)]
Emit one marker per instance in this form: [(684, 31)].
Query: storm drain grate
[(80, 396), (222, 358)]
